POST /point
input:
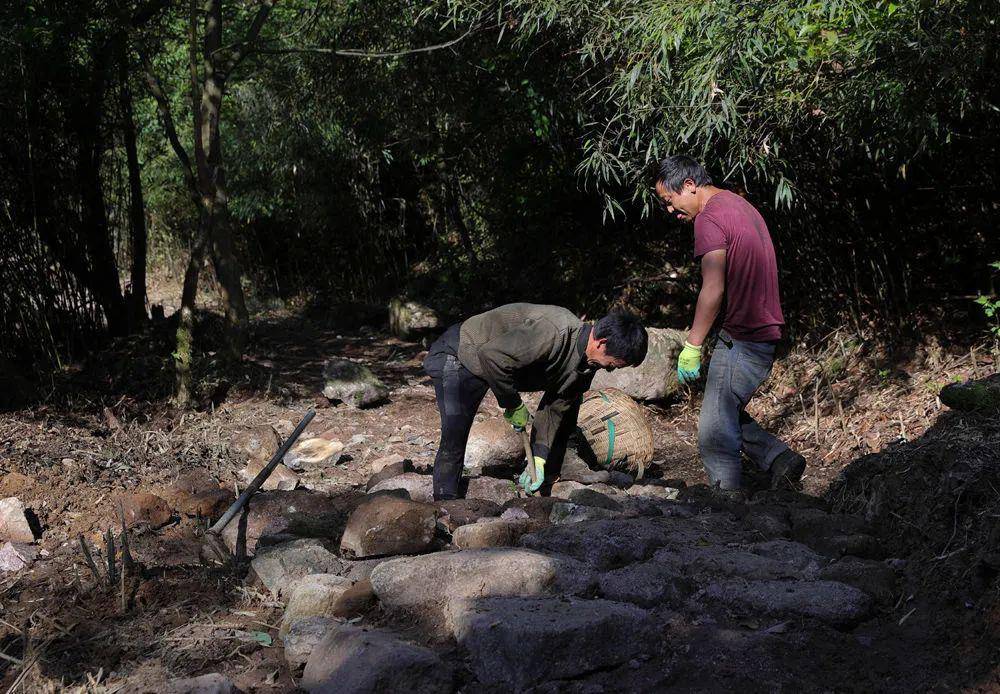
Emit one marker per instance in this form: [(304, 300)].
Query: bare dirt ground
[(878, 441)]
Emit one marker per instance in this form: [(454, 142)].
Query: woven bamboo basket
[(614, 432)]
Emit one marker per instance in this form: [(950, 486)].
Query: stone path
[(611, 588)]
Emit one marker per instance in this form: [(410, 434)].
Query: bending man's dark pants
[(459, 393)]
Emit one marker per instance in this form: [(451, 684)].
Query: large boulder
[(278, 567), (276, 516), (409, 319), (314, 595), (361, 661), (419, 487), (569, 638), (423, 585), (656, 377), (493, 444), (352, 383), (386, 525)]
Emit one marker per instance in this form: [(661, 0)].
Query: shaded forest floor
[(879, 445)]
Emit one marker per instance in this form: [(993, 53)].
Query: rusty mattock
[(213, 537)]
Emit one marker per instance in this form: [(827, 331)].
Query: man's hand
[(689, 363), (525, 479), (517, 417)]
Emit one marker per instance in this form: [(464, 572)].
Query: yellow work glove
[(689, 363), (525, 479), (517, 417)]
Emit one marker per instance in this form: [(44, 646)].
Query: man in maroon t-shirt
[(738, 269)]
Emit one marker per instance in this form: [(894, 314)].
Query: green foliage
[(765, 91), (991, 308)]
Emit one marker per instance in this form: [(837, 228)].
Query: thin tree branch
[(167, 120), (357, 53), (253, 33)]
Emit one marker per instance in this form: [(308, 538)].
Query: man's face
[(598, 357), (682, 205)]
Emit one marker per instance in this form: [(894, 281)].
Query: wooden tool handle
[(526, 440), (261, 476)]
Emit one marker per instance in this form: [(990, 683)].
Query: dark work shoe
[(786, 471)]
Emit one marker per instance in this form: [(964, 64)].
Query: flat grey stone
[(312, 596), (303, 637), (647, 584), (608, 544), (827, 601), (491, 489), (567, 512), (423, 585), (361, 661), (213, 683), (490, 532), (568, 637), (591, 497), (419, 487), (873, 577), (279, 566)]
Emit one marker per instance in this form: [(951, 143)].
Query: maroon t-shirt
[(753, 307)]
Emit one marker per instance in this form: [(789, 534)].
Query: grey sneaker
[(786, 470)]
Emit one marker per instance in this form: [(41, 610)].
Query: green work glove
[(689, 363), (517, 417), (525, 479)]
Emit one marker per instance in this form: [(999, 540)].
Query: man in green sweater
[(522, 348)]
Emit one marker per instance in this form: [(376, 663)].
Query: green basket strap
[(611, 435)]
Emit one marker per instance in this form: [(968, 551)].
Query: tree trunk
[(212, 179), (137, 208), (184, 350), (103, 268)]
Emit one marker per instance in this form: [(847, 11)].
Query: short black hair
[(676, 169), (626, 337)]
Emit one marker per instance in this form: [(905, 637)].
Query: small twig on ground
[(816, 409), (90, 560)]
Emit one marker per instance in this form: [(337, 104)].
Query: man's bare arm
[(713, 288)]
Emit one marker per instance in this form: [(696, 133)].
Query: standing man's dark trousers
[(459, 393), (725, 430)]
